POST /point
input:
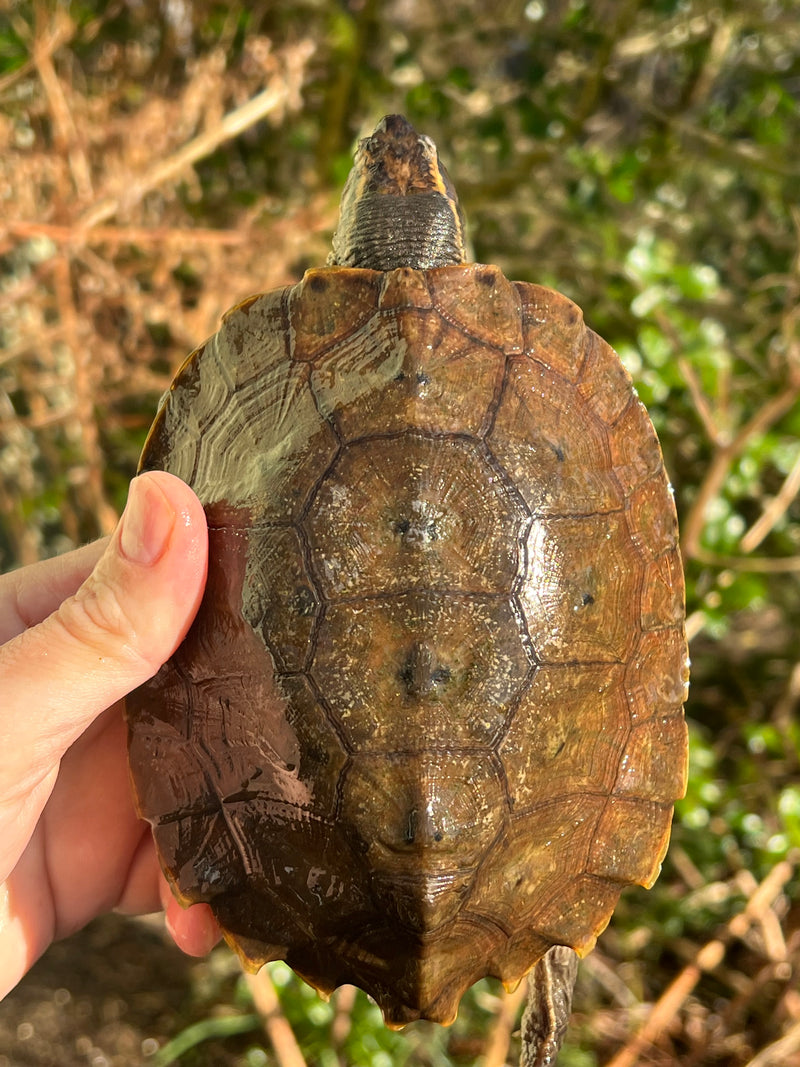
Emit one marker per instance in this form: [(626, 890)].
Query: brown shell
[(428, 721)]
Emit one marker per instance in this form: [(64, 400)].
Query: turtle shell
[(428, 720)]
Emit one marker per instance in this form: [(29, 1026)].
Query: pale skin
[(76, 634)]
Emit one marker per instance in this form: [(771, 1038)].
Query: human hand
[(76, 634)]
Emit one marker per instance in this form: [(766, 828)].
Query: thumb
[(114, 633)]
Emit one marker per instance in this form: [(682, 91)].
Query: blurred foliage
[(642, 158)]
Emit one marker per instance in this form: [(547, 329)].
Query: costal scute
[(428, 720)]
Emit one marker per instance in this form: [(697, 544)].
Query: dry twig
[(709, 956), (276, 1025), (776, 1054), (272, 99), (507, 1016), (720, 466), (776, 508), (344, 1001)]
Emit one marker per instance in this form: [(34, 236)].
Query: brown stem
[(276, 1025)]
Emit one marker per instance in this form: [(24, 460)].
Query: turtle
[(428, 721)]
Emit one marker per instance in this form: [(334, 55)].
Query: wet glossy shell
[(428, 720)]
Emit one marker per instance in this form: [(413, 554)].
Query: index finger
[(30, 594)]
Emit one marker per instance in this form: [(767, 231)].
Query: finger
[(112, 635), (30, 594), (194, 929), (87, 853)]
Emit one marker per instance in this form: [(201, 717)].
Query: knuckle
[(97, 617), (14, 619)]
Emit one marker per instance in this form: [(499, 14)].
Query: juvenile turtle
[(428, 721)]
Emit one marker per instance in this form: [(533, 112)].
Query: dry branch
[(719, 468), (507, 1016), (270, 100), (276, 1025), (774, 511), (709, 956)]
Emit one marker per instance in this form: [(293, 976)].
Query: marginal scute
[(657, 674), (428, 720), (604, 383), (635, 451), (206, 861), (630, 841), (405, 288), (653, 766), (328, 306), (180, 784), (480, 301), (553, 330), (652, 521), (662, 592), (570, 914), (512, 961)]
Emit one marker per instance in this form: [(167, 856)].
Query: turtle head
[(399, 207)]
